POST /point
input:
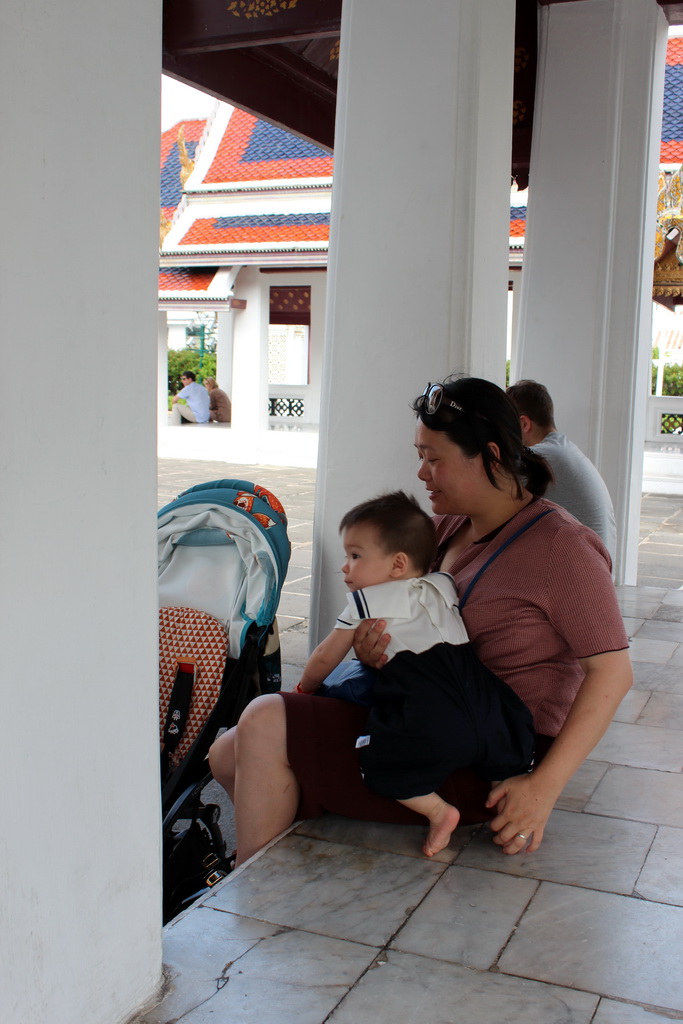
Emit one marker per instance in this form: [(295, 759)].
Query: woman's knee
[(264, 722), (222, 756)]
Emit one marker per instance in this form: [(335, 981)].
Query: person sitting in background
[(578, 486), (191, 403), (220, 408)]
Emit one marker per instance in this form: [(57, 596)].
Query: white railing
[(665, 419), (289, 406)]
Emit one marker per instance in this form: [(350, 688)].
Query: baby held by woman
[(435, 707)]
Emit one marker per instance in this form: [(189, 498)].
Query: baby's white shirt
[(419, 612)]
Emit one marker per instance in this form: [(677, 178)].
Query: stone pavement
[(345, 922), (660, 554)]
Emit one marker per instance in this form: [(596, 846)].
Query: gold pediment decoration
[(667, 284), (668, 276), (669, 213)]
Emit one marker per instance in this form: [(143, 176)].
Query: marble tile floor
[(346, 922)]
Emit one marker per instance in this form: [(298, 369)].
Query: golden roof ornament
[(186, 164), (164, 227)]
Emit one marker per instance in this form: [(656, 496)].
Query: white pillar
[(250, 362), (79, 757), (224, 354), (162, 370), (514, 281), (419, 240), (316, 342), (584, 319)]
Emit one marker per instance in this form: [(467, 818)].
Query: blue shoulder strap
[(500, 550)]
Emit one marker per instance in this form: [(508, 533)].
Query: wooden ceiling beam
[(267, 81), (204, 26), (673, 11)]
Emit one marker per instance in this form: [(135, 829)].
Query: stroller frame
[(195, 858)]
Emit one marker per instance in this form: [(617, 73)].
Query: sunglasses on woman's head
[(432, 397)]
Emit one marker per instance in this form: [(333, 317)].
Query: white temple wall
[(163, 332), (80, 851), (317, 340), (316, 280), (250, 363), (224, 349)]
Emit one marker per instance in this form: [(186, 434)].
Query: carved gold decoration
[(518, 112), (259, 8), (521, 58), (334, 52), (669, 213), (186, 164), (668, 277)]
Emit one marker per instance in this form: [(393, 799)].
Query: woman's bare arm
[(524, 802)]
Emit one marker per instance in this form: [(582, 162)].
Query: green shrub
[(188, 359), (673, 376)]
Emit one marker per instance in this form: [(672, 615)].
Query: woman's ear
[(495, 451)]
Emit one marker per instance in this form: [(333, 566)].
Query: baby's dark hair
[(401, 526)]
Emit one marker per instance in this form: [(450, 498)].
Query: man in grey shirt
[(578, 486)]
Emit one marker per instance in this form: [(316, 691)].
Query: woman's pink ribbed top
[(545, 602)]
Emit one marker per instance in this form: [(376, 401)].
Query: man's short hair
[(532, 400), (189, 374), (401, 526)]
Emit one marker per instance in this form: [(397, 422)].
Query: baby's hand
[(300, 689), (370, 642)]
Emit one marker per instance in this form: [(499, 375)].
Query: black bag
[(194, 860)]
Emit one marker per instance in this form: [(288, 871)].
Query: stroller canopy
[(223, 549)]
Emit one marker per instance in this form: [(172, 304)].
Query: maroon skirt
[(321, 738)]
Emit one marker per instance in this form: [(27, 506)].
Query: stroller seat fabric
[(188, 637)]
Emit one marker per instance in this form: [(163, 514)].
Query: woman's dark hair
[(484, 415), (401, 526)]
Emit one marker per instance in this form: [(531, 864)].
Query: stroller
[(223, 557)]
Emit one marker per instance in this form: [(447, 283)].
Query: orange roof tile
[(253, 150), (182, 280)]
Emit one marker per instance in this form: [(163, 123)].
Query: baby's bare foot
[(441, 827)]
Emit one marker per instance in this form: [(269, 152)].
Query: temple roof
[(672, 115), (237, 190), (253, 150), (252, 193)]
